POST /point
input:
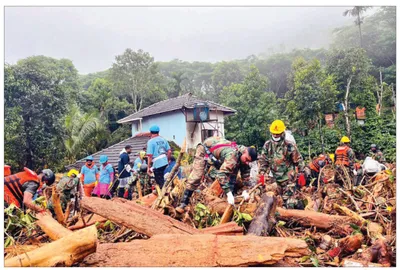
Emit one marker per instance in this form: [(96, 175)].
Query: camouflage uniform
[(281, 159), (377, 155), (226, 173), (68, 189)]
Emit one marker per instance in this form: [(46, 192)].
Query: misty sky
[(92, 36)]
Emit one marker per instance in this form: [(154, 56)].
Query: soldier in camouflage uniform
[(70, 189), (227, 158), (376, 154), (281, 159)]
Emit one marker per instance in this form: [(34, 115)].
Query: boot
[(185, 201)]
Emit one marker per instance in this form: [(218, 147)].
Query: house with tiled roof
[(180, 117)]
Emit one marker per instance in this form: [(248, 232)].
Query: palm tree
[(356, 12), (82, 130)]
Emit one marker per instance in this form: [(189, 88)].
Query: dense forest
[(54, 115)]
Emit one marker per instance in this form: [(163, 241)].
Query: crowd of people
[(280, 165)]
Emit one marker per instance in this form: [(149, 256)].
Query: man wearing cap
[(227, 158), (344, 160), (280, 162), (124, 170), (158, 152), (89, 176)]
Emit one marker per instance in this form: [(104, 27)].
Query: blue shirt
[(89, 174), (137, 161), (105, 173), (158, 146)]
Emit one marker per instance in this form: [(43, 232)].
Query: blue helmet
[(89, 158), (103, 158), (154, 129)]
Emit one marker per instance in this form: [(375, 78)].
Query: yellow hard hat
[(332, 156), (142, 154), (71, 172), (345, 139), (277, 127)]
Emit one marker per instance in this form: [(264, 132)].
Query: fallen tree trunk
[(66, 251), (15, 250), (264, 217), (136, 217), (51, 227), (312, 218), (230, 228), (55, 197), (197, 250)]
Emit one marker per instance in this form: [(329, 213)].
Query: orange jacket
[(13, 186), (342, 157), (314, 163), (7, 170)]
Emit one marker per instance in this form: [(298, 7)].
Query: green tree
[(313, 93), (225, 74), (83, 131), (357, 11), (256, 109), (38, 89), (350, 69), (135, 76)]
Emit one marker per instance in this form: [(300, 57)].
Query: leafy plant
[(17, 222), (204, 218), (241, 218)]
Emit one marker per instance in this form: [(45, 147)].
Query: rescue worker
[(344, 159), (106, 179), (376, 154), (280, 162), (227, 158), (89, 176), (158, 152), (70, 190), (20, 188), (124, 171), (139, 161), (314, 167)]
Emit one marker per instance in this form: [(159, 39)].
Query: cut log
[(215, 189), (66, 251), (51, 227), (55, 198), (197, 250), (227, 216), (230, 228), (312, 218), (136, 217), (147, 200), (264, 217)]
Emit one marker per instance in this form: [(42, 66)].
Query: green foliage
[(204, 218), (225, 74), (37, 92), (241, 218), (256, 109), (136, 77), (16, 221)]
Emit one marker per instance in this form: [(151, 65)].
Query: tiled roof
[(137, 143), (172, 104)]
